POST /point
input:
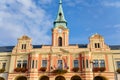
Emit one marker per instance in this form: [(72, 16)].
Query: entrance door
[(99, 78), (1, 78), (75, 78), (59, 78), (21, 78), (44, 78)]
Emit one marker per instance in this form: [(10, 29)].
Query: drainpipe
[(114, 68)]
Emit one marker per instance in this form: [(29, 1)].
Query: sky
[(35, 18)]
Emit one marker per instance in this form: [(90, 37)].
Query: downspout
[(114, 68)]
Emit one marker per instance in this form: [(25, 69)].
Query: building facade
[(60, 60)]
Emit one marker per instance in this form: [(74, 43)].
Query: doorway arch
[(100, 78), (44, 78), (76, 77), (60, 78), (1, 78), (21, 78)]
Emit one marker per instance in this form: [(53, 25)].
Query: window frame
[(44, 64), (74, 65), (102, 63), (61, 64), (118, 66)]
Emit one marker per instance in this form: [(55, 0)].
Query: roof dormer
[(96, 43)]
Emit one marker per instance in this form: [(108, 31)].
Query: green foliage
[(96, 69), (20, 70), (43, 69), (75, 69), (59, 71), (118, 70), (24, 70), (2, 70), (102, 69)]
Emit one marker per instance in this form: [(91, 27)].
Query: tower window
[(23, 46), (97, 45), (59, 41), (60, 14)]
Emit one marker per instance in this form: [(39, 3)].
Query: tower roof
[(60, 20)]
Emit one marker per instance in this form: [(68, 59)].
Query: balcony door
[(60, 64)]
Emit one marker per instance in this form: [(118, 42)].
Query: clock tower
[(60, 32)]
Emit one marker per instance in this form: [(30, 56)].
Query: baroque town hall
[(61, 60)]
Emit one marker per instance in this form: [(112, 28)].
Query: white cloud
[(117, 27), (72, 3), (45, 1), (112, 4), (19, 17)]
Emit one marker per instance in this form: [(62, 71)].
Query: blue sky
[(35, 19)]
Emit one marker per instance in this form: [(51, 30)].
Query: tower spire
[(60, 20), (60, 2)]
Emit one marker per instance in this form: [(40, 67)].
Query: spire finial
[(60, 2)]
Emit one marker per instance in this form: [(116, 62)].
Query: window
[(59, 41), (102, 63), (60, 65), (23, 46), (24, 63), (75, 63), (97, 45), (95, 63), (87, 63), (83, 63), (44, 63), (36, 64), (4, 65), (118, 64), (32, 63), (19, 64)]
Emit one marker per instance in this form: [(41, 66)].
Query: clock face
[(60, 30)]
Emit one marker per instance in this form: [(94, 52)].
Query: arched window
[(60, 41)]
